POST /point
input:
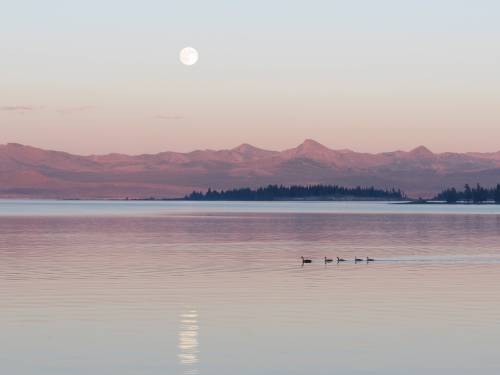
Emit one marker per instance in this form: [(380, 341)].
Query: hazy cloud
[(17, 108), (81, 108)]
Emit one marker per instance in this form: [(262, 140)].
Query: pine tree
[(467, 193), (496, 194)]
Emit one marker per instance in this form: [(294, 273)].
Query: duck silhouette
[(340, 260), (306, 260), (328, 260)]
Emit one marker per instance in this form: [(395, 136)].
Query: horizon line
[(306, 141)]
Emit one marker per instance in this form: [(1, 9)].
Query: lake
[(119, 288)]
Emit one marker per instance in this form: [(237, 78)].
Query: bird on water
[(340, 260), (328, 260), (369, 259), (356, 259), (306, 260)]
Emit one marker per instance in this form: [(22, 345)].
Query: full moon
[(188, 56)]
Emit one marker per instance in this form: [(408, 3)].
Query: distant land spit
[(311, 192)]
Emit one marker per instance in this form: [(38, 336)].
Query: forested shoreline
[(298, 192), (477, 195), (468, 195)]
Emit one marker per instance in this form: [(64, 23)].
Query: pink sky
[(373, 78)]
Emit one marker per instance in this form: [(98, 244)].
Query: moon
[(188, 56)]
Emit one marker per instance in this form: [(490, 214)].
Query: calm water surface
[(217, 288)]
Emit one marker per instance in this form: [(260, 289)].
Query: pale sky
[(104, 76)]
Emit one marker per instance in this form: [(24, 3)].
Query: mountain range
[(31, 172)]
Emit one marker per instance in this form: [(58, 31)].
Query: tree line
[(281, 192), (476, 194)]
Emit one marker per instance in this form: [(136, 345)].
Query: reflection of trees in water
[(188, 342)]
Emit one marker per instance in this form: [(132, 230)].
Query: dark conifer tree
[(496, 194), (467, 193)]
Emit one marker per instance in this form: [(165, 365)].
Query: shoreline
[(151, 199), (424, 202)]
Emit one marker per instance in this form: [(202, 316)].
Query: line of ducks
[(339, 260)]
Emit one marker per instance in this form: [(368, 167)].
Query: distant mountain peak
[(310, 149), (246, 147), (247, 152), (311, 144), (421, 150), (12, 144)]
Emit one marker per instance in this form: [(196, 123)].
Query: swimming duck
[(305, 260), (357, 259), (340, 260), (369, 259), (328, 260)]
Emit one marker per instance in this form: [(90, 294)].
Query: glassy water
[(218, 288)]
